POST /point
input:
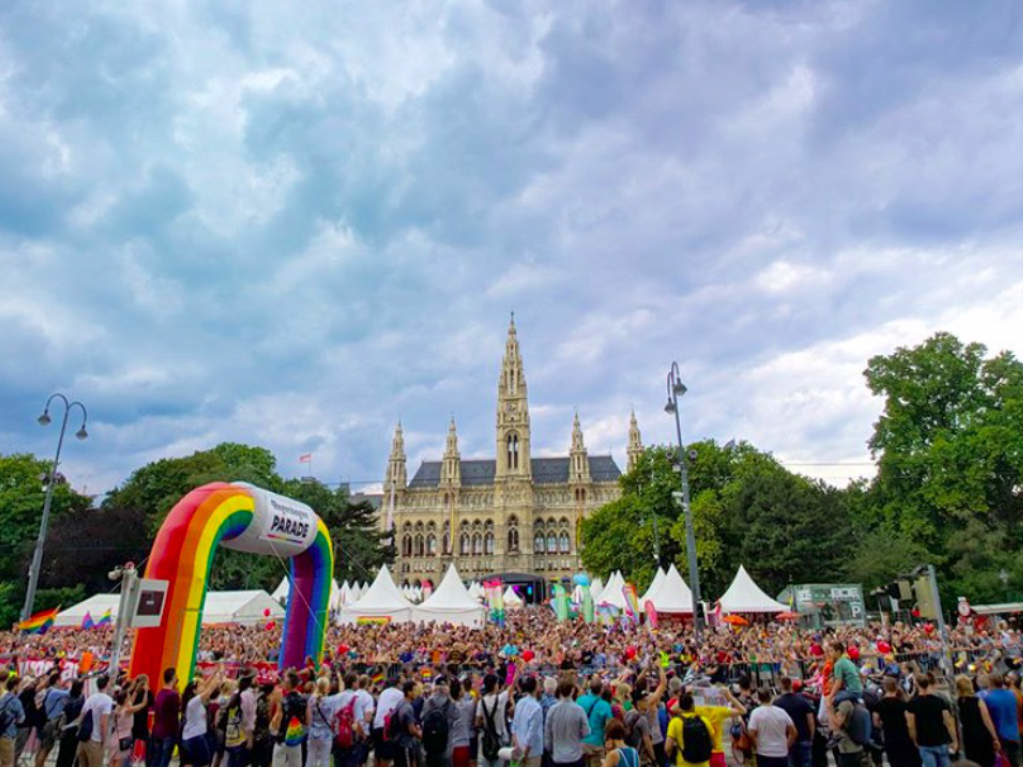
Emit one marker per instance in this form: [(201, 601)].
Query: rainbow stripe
[(38, 623), (182, 554)]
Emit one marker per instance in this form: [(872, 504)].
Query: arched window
[(407, 546), (563, 542), (419, 545), (513, 539), (512, 448), (446, 544), (431, 544), (538, 542), (464, 544), (552, 543), (478, 544), (489, 543)]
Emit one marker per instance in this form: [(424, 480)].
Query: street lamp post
[(677, 389), (37, 555)]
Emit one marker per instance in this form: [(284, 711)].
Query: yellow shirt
[(675, 732), (716, 716)]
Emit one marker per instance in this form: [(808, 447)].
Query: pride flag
[(105, 619), (632, 606), (87, 622), (38, 623)]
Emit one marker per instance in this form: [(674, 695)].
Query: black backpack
[(633, 737), (696, 741), (490, 743), (85, 727), (435, 731)]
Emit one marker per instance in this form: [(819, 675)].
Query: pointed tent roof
[(672, 595), (744, 596), (659, 576), (612, 594), (451, 602), (383, 598), (596, 588), (281, 593), (511, 599)]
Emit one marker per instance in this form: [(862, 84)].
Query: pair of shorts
[(383, 749)]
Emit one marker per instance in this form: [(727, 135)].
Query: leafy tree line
[(85, 541), (947, 491)]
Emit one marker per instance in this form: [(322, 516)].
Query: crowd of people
[(532, 692)]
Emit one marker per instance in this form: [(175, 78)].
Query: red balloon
[(883, 647), (266, 612), (631, 652), (527, 656), (270, 625), (853, 652), (929, 628), (342, 649)]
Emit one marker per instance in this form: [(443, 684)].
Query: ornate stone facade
[(512, 513)]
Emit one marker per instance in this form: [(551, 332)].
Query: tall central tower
[(513, 422)]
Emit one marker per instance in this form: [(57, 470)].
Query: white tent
[(451, 603), (511, 599), (238, 607), (744, 596), (381, 600), (280, 595), (476, 591), (596, 588), (659, 576), (612, 594), (672, 595)]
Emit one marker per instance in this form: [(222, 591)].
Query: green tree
[(22, 491), (949, 450)]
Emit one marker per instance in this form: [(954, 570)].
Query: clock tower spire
[(513, 422)]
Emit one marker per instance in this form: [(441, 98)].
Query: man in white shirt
[(771, 731), (387, 706), (99, 706), (492, 706)]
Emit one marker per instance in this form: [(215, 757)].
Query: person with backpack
[(67, 725), (689, 738), (238, 716), (565, 727), (262, 739), (404, 730), (387, 704), (490, 721), (12, 713), (772, 731), (463, 730), (195, 746), (94, 727), (851, 724), (598, 713), (437, 721), (288, 722), (528, 724), (321, 714), (617, 752), (33, 717), (51, 707)]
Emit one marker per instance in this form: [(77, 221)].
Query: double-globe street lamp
[(677, 389), (51, 480)]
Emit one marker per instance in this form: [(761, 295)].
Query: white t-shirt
[(496, 709), (99, 704), (195, 718), (770, 723), (387, 702), (364, 706)]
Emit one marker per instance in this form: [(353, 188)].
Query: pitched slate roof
[(545, 471)]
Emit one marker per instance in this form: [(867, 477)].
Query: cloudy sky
[(290, 224)]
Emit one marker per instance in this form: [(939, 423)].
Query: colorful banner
[(588, 606), (632, 605), (373, 620), (652, 614), (495, 601), (38, 623)]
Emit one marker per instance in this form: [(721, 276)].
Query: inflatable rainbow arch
[(237, 516)]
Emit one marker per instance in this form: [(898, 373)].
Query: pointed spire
[(451, 469), (452, 445), (513, 417), (635, 447), (395, 473), (579, 465), (577, 434)]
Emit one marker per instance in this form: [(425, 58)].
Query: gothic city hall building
[(514, 515)]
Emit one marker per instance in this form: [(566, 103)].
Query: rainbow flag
[(38, 623), (632, 606), (87, 622), (426, 673), (378, 678), (105, 619)]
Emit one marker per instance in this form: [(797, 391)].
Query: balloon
[(527, 656), (342, 649), (854, 652), (582, 579), (631, 652), (270, 625), (883, 647), (929, 628), (266, 612)]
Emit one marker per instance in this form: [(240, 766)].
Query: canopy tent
[(612, 594), (659, 576), (511, 599), (382, 601), (744, 596), (596, 588), (672, 594), (232, 607), (476, 591), (451, 603), (280, 595)]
